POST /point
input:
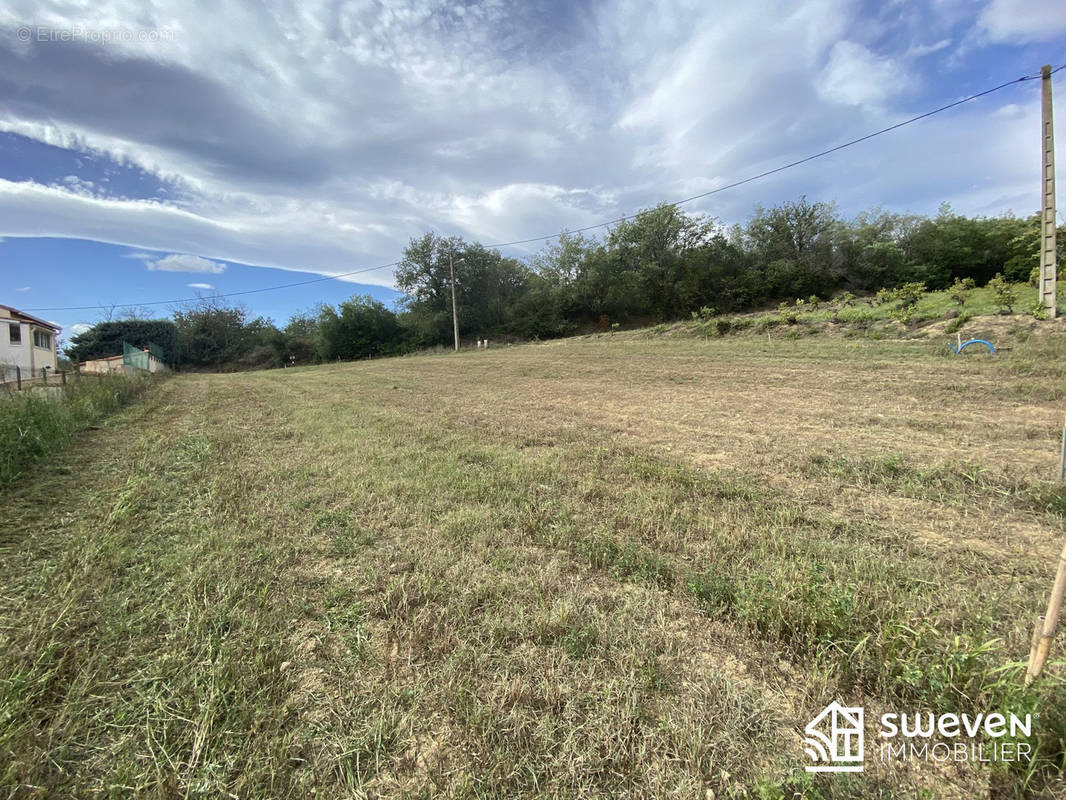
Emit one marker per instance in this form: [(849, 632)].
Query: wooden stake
[(1046, 625), (1062, 453)]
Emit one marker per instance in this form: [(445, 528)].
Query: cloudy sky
[(157, 150)]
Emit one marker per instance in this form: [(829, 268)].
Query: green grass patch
[(39, 420)]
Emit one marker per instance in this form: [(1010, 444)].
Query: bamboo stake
[(1062, 453), (1046, 625)]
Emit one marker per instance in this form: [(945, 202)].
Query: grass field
[(615, 566)]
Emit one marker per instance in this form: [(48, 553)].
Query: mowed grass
[(606, 567)]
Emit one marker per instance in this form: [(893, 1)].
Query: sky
[(157, 151)]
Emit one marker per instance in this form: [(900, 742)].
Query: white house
[(26, 342)]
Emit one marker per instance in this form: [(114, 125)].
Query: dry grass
[(616, 566)]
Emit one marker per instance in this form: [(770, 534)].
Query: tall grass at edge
[(36, 421)]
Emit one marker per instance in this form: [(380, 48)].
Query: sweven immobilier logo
[(834, 738)]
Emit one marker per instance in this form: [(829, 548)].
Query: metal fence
[(134, 356), (141, 358)]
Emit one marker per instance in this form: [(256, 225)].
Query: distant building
[(26, 342), (102, 365), (133, 359)]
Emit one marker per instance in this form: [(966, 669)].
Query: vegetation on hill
[(660, 266)]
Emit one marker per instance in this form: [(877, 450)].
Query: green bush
[(956, 324), (845, 299), (35, 421), (764, 324), (960, 290), (704, 314), (1004, 293)]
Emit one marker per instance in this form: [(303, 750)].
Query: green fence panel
[(134, 356)]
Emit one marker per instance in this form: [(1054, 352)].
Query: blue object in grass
[(962, 346)]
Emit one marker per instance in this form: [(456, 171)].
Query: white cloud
[(920, 50), (33, 209), (178, 262), (200, 286), (855, 76), (322, 140), (1022, 21), (79, 186), (23, 288), (79, 328)]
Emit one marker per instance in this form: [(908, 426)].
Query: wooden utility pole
[(1048, 267), (455, 310)]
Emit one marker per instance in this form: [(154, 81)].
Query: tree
[(361, 327), (211, 334), (658, 252), (104, 339), (488, 288), (300, 337), (796, 243)]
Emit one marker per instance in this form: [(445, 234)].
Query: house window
[(14, 333), (42, 339)]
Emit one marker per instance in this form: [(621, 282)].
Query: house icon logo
[(834, 740)]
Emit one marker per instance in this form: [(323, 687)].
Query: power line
[(694, 197), (782, 168)]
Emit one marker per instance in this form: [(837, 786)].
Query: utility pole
[(455, 310), (1048, 267)]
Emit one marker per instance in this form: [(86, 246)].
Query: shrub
[(704, 314), (960, 290), (909, 293), (957, 323), (1003, 293), (723, 326), (742, 323), (845, 299), (884, 296), (906, 295)]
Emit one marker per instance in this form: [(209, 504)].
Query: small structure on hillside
[(146, 359)]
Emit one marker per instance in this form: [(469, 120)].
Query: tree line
[(663, 264)]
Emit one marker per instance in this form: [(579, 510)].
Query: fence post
[(18, 376), (63, 376), (44, 376)]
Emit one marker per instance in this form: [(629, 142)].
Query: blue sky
[(158, 152)]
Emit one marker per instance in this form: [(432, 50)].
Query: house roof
[(22, 315)]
